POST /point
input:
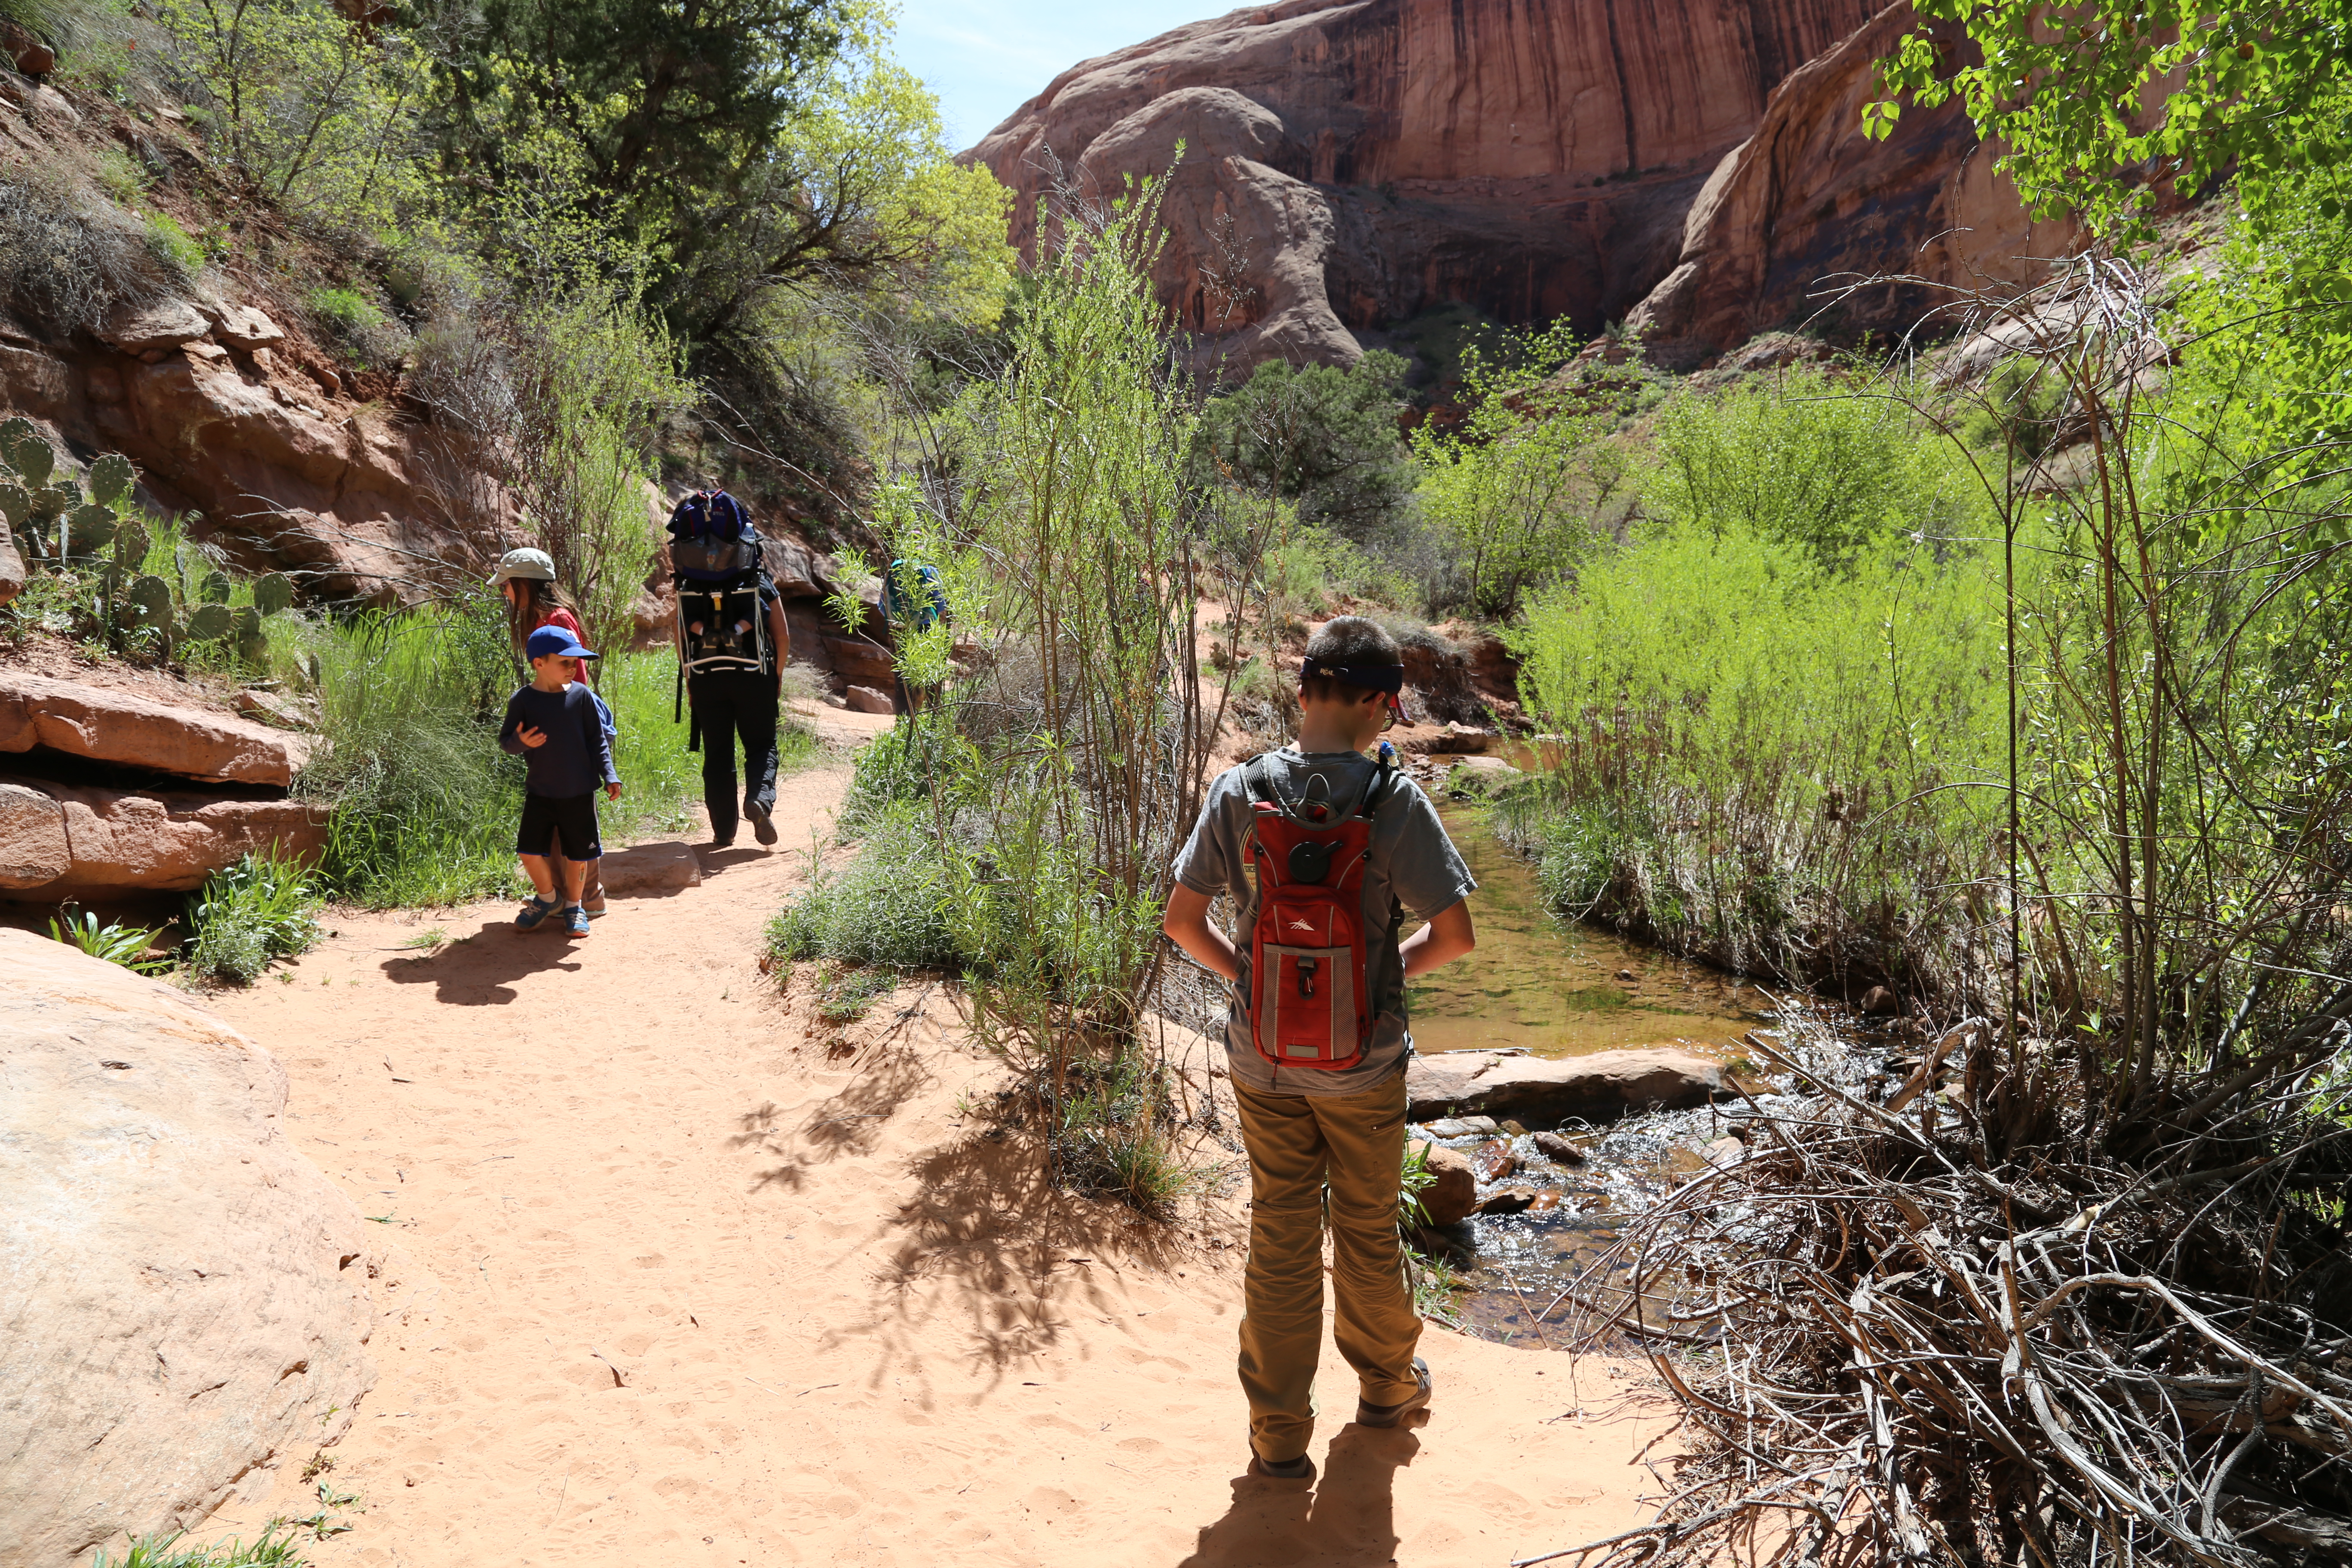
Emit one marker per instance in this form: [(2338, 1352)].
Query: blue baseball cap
[(549, 641)]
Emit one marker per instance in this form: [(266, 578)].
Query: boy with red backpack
[(1316, 1042)]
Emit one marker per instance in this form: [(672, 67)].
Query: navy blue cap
[(548, 641), (1385, 678)]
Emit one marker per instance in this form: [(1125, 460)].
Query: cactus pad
[(34, 458), (149, 603), (16, 505), (111, 478), (209, 623), (273, 592), (130, 543), (214, 589), (90, 528)]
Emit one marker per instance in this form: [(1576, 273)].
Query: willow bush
[(1064, 759)]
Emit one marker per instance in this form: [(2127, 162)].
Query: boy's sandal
[(535, 910)]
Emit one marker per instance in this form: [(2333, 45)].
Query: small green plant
[(173, 245), (123, 176), (115, 943), (1413, 1179), (887, 908), (263, 907), (270, 1550), (346, 313), (427, 940), (847, 996)]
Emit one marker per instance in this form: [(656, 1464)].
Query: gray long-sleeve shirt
[(575, 759)]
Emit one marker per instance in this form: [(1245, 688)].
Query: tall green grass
[(1769, 738)]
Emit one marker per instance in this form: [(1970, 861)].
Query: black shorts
[(566, 827)]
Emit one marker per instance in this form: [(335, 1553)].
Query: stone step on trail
[(1546, 1090)]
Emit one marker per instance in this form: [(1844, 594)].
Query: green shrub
[(346, 313), (1807, 461), (122, 176), (263, 907), (173, 245), (888, 907)]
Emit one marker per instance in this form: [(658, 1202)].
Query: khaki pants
[(1299, 1144)]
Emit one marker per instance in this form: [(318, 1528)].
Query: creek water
[(1557, 988)]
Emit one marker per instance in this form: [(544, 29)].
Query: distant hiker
[(913, 595), (732, 642), (1315, 1043), (525, 580), (553, 724)]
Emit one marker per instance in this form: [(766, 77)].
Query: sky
[(984, 58)]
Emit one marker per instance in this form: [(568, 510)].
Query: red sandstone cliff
[(1351, 162), (1798, 215)]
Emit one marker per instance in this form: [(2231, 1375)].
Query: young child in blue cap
[(554, 726)]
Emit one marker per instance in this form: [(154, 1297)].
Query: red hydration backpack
[(1311, 1004)]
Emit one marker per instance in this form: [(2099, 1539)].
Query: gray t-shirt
[(1414, 865)]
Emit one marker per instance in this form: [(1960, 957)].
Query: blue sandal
[(535, 910)]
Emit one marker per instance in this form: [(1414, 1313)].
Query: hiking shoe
[(1301, 1468), (1390, 1415), (763, 826), (535, 910), (575, 919), (595, 910)]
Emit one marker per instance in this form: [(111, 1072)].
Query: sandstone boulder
[(119, 840), (166, 325), (113, 726), (32, 838), (183, 1297), (865, 700), (1551, 1089), (1453, 1197), (11, 568), (868, 663), (246, 327)]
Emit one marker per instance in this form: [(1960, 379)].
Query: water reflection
[(1556, 989)]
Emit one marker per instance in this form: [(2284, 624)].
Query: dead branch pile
[(1976, 1327)]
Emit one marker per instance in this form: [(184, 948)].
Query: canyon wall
[(1348, 163)]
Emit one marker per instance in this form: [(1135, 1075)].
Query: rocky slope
[(1351, 162)]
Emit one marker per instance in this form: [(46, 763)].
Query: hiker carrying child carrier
[(732, 643)]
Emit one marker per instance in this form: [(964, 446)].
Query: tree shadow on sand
[(1345, 1518), (473, 970)]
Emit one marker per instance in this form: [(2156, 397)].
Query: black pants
[(728, 703)]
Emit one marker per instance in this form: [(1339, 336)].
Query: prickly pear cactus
[(90, 528), (36, 459), (111, 478), (209, 623), (214, 588), (130, 543), (252, 642), (147, 606), (273, 594)]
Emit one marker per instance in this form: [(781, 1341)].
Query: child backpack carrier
[(714, 554), (1310, 1004)]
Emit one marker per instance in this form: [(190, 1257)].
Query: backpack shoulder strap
[(1377, 788)]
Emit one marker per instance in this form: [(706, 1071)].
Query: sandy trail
[(675, 1276)]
